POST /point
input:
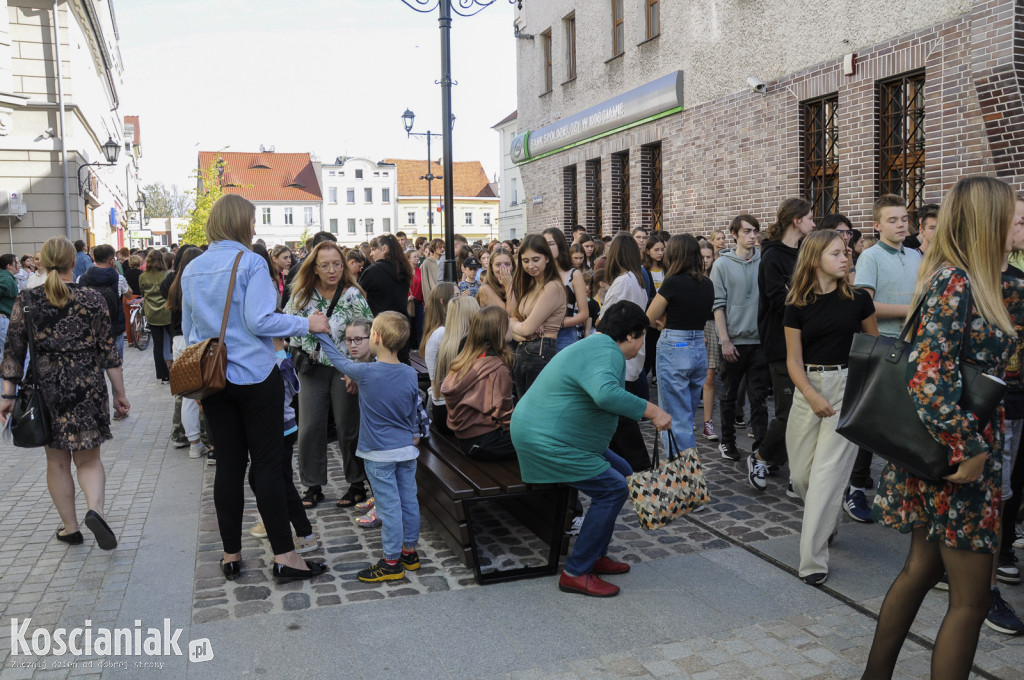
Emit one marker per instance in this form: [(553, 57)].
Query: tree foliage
[(204, 198), (164, 202)]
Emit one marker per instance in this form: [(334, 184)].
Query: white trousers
[(189, 407), (820, 463)]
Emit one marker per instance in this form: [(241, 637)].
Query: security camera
[(756, 85)]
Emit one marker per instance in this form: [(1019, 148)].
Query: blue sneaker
[(856, 506), (1001, 616)]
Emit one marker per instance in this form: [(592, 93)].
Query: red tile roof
[(511, 116), (267, 176), (470, 179), (134, 120)]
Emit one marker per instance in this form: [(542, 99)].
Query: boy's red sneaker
[(588, 584)]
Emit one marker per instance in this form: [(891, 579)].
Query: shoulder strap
[(334, 300), (30, 327), (227, 303)]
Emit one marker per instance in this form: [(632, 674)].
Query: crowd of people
[(547, 350)]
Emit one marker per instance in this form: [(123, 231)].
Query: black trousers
[(628, 440), (246, 422), (773, 447), (751, 364), (861, 472), (296, 511), (161, 335), (492, 446)]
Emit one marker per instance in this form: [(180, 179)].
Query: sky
[(331, 77)]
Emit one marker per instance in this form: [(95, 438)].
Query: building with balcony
[(360, 199), (476, 205), (284, 187), (59, 104), (682, 115)]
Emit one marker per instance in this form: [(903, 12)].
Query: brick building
[(836, 102)]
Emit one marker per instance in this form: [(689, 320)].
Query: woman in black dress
[(73, 348)]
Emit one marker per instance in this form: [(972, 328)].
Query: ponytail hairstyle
[(396, 256), (803, 289), (486, 333), (789, 211), (58, 256)]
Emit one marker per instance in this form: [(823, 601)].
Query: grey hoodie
[(736, 292)]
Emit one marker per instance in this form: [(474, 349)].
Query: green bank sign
[(657, 98)]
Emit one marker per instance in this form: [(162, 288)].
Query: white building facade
[(513, 214), (360, 199)]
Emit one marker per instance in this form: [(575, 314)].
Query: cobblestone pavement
[(169, 548)]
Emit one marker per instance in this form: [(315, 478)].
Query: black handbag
[(30, 425), (878, 413)]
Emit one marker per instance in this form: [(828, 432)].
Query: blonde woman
[(461, 311), (953, 522), (73, 349)]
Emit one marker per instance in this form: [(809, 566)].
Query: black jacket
[(777, 264), (105, 281), (385, 290)]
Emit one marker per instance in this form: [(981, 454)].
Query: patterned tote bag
[(667, 491)]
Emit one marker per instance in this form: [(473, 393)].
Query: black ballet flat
[(74, 538), (232, 570), (104, 536), (283, 572)]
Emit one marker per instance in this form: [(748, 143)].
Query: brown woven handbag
[(201, 370)]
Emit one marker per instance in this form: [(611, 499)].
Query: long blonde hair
[(803, 290), (436, 309), (974, 222), (57, 255), (461, 311), (486, 332)]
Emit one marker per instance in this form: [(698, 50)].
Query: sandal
[(355, 494), (312, 497)]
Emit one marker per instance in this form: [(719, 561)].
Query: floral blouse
[(963, 516), (351, 305)]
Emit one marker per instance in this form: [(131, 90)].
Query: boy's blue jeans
[(608, 492), (394, 492)]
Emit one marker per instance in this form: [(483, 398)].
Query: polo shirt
[(892, 275)]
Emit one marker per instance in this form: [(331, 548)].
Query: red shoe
[(606, 565), (588, 584)]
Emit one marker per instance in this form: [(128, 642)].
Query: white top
[(433, 345), (626, 287)]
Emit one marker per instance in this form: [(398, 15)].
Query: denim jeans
[(567, 336), (5, 323), (682, 366), (531, 358), (394, 492), (608, 492)]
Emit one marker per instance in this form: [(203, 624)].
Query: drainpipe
[(60, 114)]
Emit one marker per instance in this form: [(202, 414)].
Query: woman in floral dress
[(954, 523), (323, 278), (73, 348)]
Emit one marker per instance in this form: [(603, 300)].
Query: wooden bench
[(453, 487)]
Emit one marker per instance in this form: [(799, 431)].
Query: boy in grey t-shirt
[(888, 271)]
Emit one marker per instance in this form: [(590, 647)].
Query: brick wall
[(741, 153)]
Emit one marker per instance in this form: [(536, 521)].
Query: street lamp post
[(407, 118), (465, 8), (111, 150)]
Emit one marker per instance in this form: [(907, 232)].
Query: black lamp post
[(465, 8), (407, 119), (111, 150)]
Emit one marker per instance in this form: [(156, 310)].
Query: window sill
[(545, 94), (651, 39), (617, 56), (571, 80)]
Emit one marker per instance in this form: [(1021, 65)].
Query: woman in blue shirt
[(245, 418)]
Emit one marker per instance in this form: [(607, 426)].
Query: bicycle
[(140, 332)]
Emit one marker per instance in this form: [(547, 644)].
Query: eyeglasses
[(845, 233), (331, 267), (357, 340)]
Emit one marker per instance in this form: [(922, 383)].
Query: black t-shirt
[(689, 302), (827, 325), (595, 310), (1014, 399)]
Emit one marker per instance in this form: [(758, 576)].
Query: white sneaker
[(577, 524), (1018, 537), (197, 450), (305, 545)]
